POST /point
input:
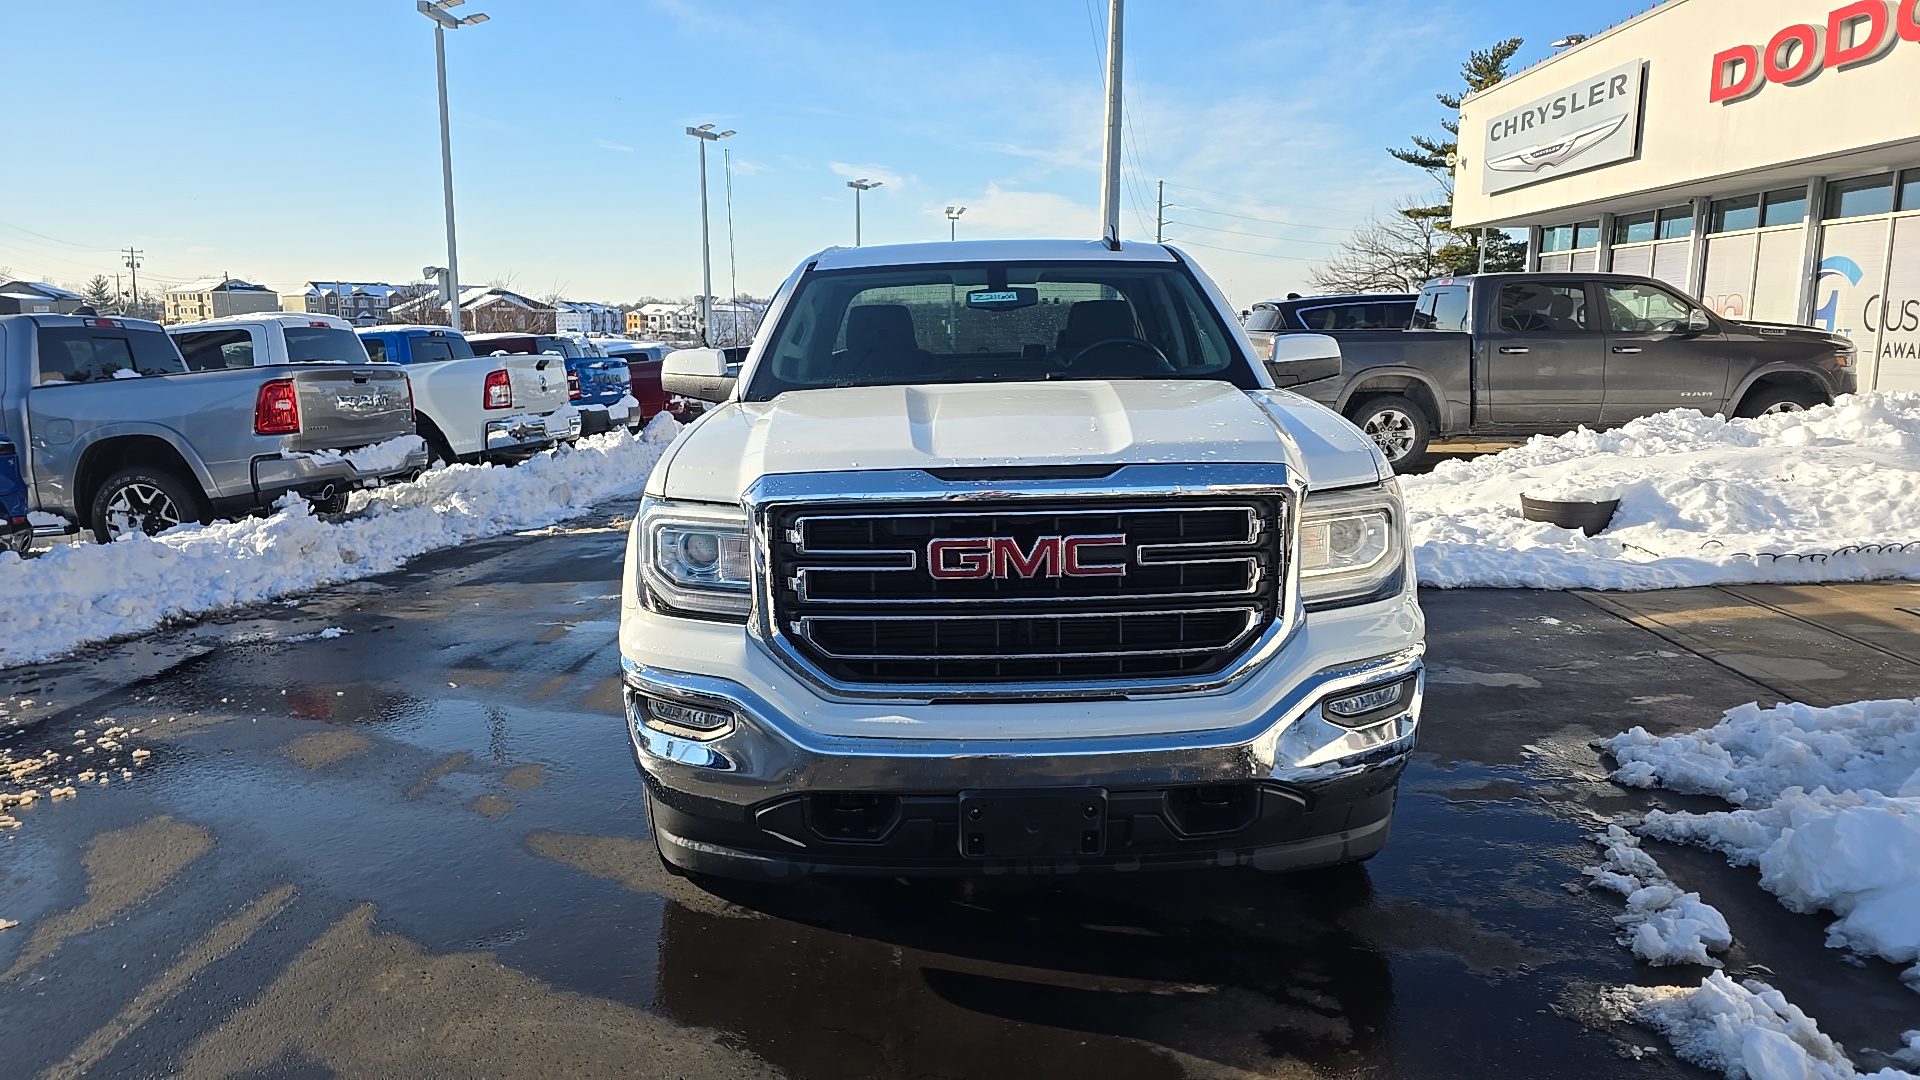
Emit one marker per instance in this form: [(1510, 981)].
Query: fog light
[(1369, 706), (684, 719)]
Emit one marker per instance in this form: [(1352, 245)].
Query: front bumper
[(1299, 790)]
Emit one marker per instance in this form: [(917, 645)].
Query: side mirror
[(1697, 322), (700, 374), (1303, 358)]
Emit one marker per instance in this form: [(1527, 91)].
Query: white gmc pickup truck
[(1007, 557)]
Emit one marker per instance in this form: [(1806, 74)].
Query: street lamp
[(443, 22), (953, 221), (859, 186), (706, 134)]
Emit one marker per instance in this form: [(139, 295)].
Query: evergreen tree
[(1460, 253), (99, 294)]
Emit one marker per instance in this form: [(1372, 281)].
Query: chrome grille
[(856, 593)]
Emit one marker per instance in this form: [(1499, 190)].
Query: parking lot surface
[(417, 847)]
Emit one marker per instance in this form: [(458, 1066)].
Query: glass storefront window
[(1634, 228), (1787, 206), (1676, 223), (1910, 190), (1586, 234), (1860, 196), (1556, 238), (1732, 215)]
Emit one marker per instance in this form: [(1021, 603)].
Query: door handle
[(1513, 348), (1628, 350)]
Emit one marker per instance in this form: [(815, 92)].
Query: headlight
[(697, 557), (1351, 547)]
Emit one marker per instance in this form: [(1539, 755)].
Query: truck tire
[(144, 500), (1781, 398), (1396, 425)]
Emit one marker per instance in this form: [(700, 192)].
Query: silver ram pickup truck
[(120, 437)]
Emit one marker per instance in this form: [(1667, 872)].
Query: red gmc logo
[(1858, 33), (976, 557)]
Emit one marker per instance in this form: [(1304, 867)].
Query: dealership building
[(1762, 155)]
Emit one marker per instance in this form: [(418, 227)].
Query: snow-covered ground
[(1747, 1031), (80, 593), (1828, 809), (1662, 924), (1830, 494)]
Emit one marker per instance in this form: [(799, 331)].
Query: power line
[(1255, 235), (1238, 251), (1265, 202), (1250, 217)]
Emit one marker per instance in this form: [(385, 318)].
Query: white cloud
[(1000, 212), (608, 144), (886, 176)]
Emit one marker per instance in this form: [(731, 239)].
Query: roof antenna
[(1110, 193)]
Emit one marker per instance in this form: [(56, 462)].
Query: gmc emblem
[(977, 557)]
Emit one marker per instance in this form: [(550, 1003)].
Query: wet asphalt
[(419, 848)]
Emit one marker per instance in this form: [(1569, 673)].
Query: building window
[(1732, 215), (1861, 196), (1556, 238), (1676, 223), (1586, 234), (1910, 190), (1787, 206), (1635, 228)]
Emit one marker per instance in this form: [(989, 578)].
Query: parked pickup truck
[(1006, 557), (643, 377), (599, 384), (1523, 354), (477, 408), (122, 437)]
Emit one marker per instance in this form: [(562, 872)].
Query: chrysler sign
[(1594, 122)]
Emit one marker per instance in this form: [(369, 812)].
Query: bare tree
[(1396, 253)]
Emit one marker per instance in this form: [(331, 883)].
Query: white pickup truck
[(467, 408), (1007, 557)]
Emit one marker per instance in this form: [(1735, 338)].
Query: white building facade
[(1763, 155)]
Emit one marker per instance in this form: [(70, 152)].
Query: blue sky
[(281, 142)]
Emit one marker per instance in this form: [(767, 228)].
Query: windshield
[(324, 345), (997, 322)]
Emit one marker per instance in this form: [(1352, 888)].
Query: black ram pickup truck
[(1508, 355)]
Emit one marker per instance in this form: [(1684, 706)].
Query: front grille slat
[(854, 594)]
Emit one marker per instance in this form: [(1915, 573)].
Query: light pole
[(953, 221), (443, 22), (859, 186), (705, 134)]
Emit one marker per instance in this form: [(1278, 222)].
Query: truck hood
[(1188, 421), (1787, 331)]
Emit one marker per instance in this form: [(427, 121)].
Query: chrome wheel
[(1393, 431), (1783, 407), (141, 508)]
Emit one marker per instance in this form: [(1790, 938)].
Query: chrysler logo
[(977, 557), (1559, 151)]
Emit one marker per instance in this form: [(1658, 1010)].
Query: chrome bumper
[(526, 433), (765, 755)]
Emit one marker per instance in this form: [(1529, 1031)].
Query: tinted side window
[(376, 349), (88, 354), (1443, 307), (1266, 318), (1528, 307), (216, 350), (1644, 309)]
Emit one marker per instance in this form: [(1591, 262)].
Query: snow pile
[(1746, 1031), (1829, 494), (1661, 925), (82, 593), (1829, 810)]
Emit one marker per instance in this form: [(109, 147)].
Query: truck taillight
[(499, 392), (277, 410), (573, 386)]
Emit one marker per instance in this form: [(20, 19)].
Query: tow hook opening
[(852, 817), (1212, 809)]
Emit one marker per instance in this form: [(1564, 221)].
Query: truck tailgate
[(539, 382), (345, 406)]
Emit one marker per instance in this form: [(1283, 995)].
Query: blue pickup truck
[(598, 385), (16, 531)]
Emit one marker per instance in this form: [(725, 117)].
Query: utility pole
[(859, 186), (1110, 192), (706, 134), (133, 264), (1160, 215), (442, 22), (733, 264)]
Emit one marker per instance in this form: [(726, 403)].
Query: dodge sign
[(1595, 122)]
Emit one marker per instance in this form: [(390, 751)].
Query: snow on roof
[(216, 285), (963, 251), (40, 290)]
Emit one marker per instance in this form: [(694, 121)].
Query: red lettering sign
[(1000, 557), (1854, 34)]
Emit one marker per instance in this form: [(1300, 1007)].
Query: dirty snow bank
[(1745, 1031), (381, 457), (1662, 925), (1703, 501), (1829, 810), (81, 593)]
